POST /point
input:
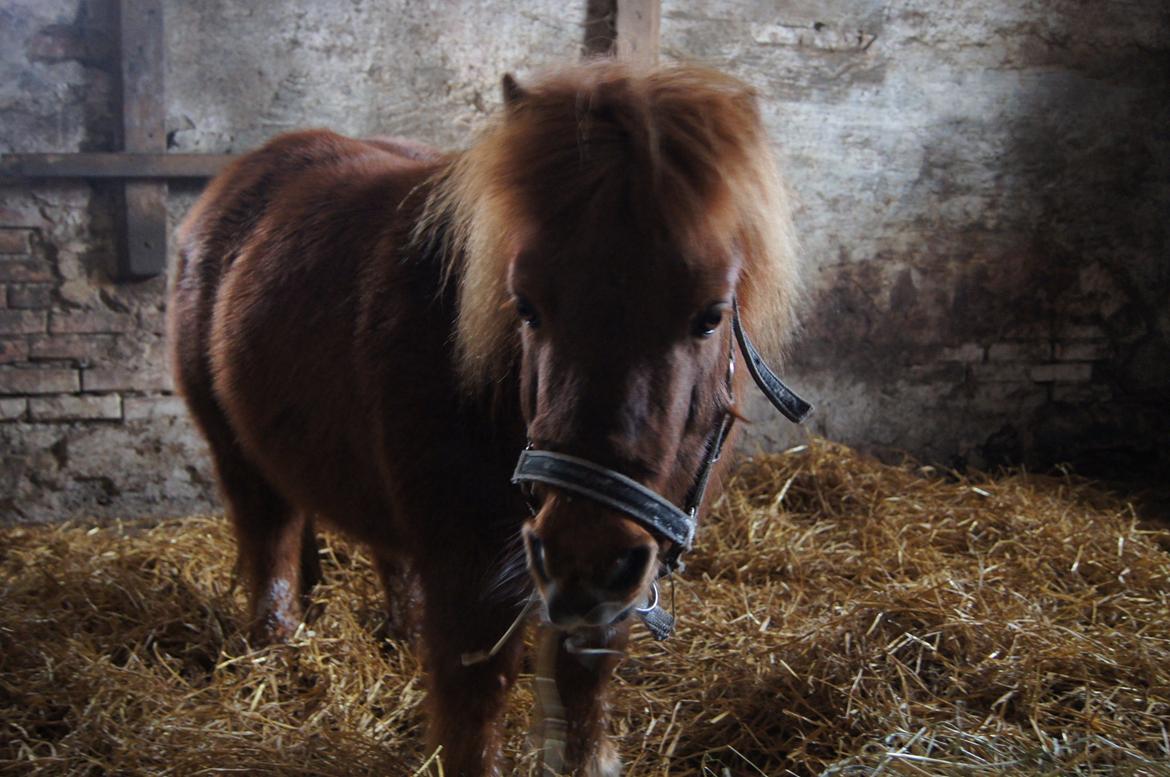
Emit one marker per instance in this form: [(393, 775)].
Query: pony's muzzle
[(584, 584)]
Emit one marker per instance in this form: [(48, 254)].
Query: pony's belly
[(317, 471), (285, 384)]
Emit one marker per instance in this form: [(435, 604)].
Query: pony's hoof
[(605, 763), (275, 627), (266, 632)]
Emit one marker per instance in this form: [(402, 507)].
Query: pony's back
[(276, 260)]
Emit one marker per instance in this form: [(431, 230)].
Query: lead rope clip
[(655, 618)]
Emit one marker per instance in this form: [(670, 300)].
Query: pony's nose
[(571, 606), (604, 599)]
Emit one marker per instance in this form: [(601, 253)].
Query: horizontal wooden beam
[(112, 165)]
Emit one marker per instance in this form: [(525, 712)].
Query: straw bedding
[(838, 617)]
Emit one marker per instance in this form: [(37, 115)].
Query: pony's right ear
[(513, 92)]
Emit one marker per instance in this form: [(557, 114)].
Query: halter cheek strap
[(782, 398)]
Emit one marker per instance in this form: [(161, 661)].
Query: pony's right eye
[(536, 554), (709, 320), (527, 313)]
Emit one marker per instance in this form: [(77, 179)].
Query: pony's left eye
[(526, 312), (709, 320)]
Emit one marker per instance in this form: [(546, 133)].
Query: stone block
[(1019, 396), (1083, 352), (159, 469), (30, 296), (1027, 330), (13, 408), (153, 321), (125, 379), (13, 349), (1020, 352), (1081, 393), (938, 373), (21, 270), (1062, 373), (1070, 331), (106, 408), (21, 322), (96, 321), (15, 241), (14, 380), (967, 353), (1000, 372), (85, 349), (151, 408)]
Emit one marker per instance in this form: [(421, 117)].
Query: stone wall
[(89, 427), (983, 187), (985, 203)]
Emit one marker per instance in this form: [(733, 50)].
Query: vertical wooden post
[(637, 25), (600, 32), (144, 130), (625, 28)]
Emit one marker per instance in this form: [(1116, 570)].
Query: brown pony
[(368, 334)]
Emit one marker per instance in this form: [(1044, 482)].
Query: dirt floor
[(838, 617)]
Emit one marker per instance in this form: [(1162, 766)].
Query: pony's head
[(600, 232)]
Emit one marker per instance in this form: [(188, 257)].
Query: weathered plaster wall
[(985, 203), (984, 188)]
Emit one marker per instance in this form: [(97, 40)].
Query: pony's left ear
[(513, 92)]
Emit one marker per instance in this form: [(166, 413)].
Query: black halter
[(650, 509)]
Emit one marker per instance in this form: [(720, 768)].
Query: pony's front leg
[(583, 668), (466, 702)]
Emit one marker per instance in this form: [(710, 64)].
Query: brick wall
[(89, 426), (72, 365)]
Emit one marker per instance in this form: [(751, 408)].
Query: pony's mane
[(683, 147)]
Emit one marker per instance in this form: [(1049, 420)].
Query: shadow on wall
[(1094, 150), (91, 40), (1033, 297)]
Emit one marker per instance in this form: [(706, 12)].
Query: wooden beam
[(112, 165), (638, 23), (144, 130)]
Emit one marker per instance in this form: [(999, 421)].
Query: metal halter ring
[(653, 604)]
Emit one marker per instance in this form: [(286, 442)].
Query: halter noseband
[(648, 508)]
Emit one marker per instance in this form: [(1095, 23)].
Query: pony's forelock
[(682, 145)]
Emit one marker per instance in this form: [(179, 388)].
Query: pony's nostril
[(628, 569), (557, 611), (570, 605)]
